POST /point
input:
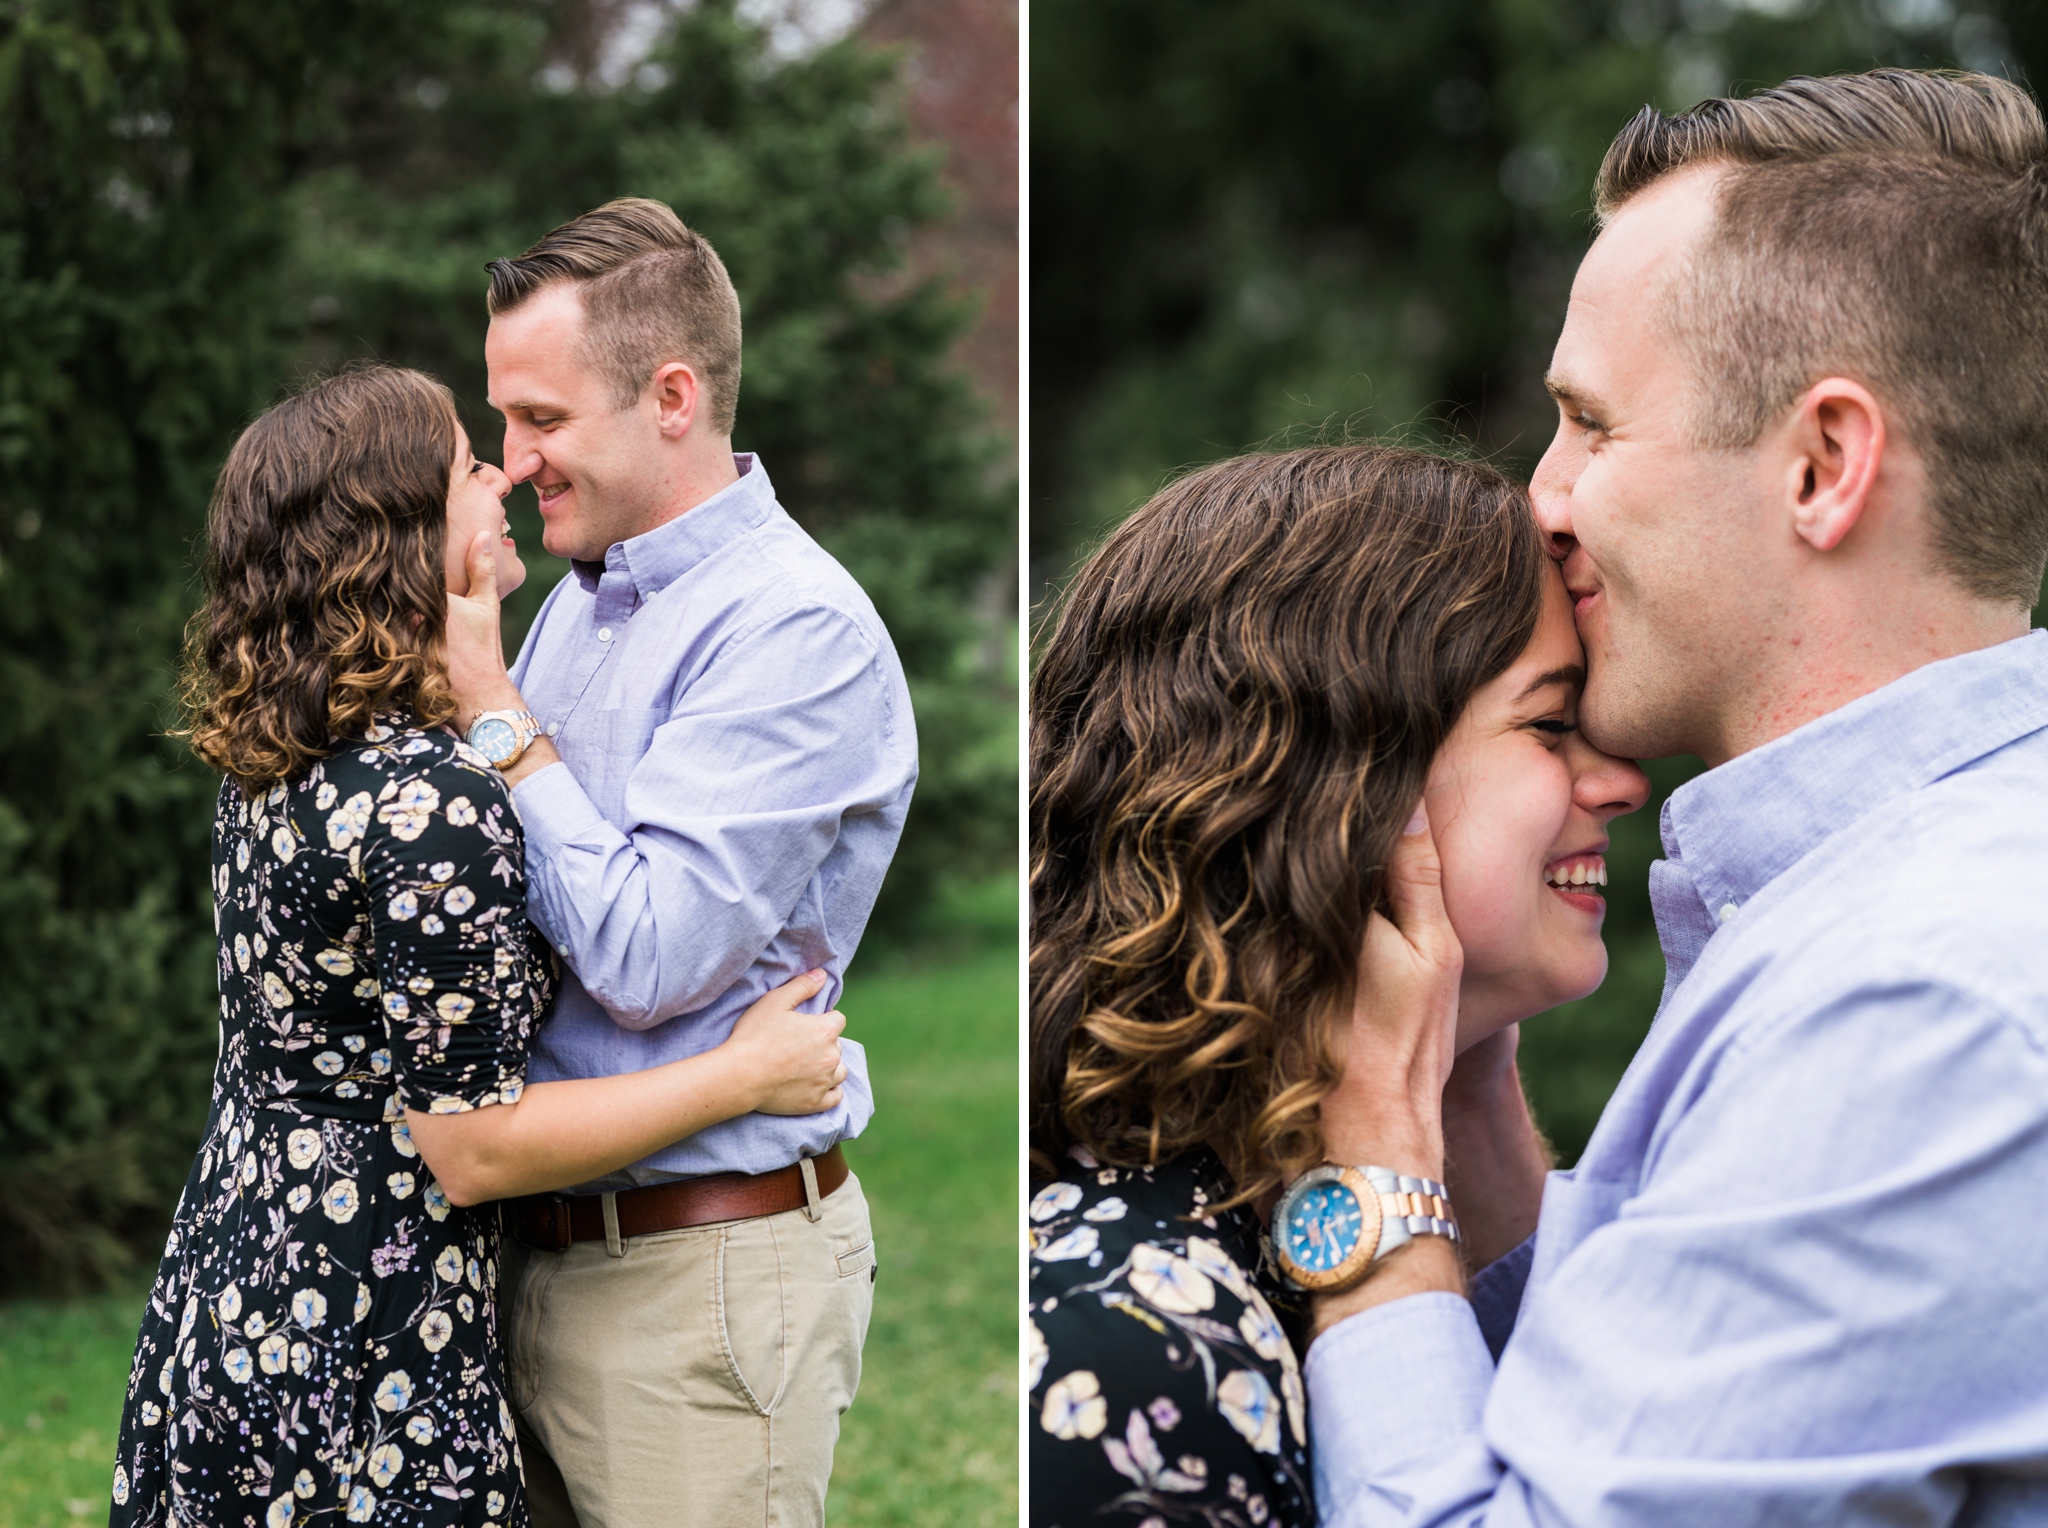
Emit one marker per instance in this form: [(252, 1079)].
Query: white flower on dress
[(335, 962), (249, 1168), (242, 951), (420, 1429), (120, 1485), (309, 1308), (366, 988), (324, 798), (421, 985), (400, 1185), (453, 1007), (302, 1483), (237, 1365), (432, 924), (417, 800), (347, 822), (328, 1063), (230, 1304), (283, 845), (403, 906), (1077, 1243), (460, 813), (460, 899), (1054, 1199), (385, 1463), (300, 1196), (401, 1138), (465, 1307), (442, 870), (151, 1413), (273, 1353), (302, 1357), (1110, 1209), (1220, 1266), (1172, 1283), (1249, 1405), (191, 1314), (302, 1148), (434, 1333), (435, 1202), (1262, 1331), (255, 1326), (163, 1378), (380, 1062), (275, 992), (362, 1504), (1137, 1458), (494, 1503), (362, 1301), (340, 1201), (1036, 1355), (449, 1265), (282, 1510), (1074, 1407), (394, 1391), (396, 1007), (1297, 1401)]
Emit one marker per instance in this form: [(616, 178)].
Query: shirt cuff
[(1497, 1294), (554, 810), (1395, 1396)]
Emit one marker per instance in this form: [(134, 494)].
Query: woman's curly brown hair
[(325, 597), (1230, 725)]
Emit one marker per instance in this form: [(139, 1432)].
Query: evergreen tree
[(201, 201)]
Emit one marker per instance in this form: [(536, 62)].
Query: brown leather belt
[(550, 1222)]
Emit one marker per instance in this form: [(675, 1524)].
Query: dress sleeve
[(442, 869)]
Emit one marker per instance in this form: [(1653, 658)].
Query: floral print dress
[(1164, 1386), (320, 1345)]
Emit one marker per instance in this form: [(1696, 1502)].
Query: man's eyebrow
[(523, 405), (1566, 390), (1572, 674)]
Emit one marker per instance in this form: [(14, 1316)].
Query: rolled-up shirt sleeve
[(1796, 1317), (732, 807)]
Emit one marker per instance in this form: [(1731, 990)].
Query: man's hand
[(1398, 1054), (476, 658)]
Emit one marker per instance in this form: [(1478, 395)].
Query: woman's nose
[(1604, 784)]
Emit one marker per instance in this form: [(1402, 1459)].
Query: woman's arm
[(777, 1061)]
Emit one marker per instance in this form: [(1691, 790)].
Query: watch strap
[(524, 723), (1410, 1207)]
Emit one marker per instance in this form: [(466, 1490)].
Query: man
[(1800, 493), (715, 772)]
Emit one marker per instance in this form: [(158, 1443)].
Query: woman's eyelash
[(1554, 726), (475, 468)]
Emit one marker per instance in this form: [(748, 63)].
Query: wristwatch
[(1334, 1223), (502, 736)]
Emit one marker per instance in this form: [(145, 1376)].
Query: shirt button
[(604, 633), (553, 728), (1728, 910), (562, 950)]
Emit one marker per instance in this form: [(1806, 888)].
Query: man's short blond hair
[(1891, 227), (653, 291)]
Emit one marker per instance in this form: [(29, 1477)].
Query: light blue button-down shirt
[(1800, 1275), (739, 755)]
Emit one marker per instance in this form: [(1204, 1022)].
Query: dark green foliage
[(203, 200), (1258, 223)]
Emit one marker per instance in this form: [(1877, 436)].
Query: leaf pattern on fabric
[(1164, 1385), (321, 1341)]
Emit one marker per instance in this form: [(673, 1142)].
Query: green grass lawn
[(931, 1438)]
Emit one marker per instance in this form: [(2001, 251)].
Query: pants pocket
[(752, 1314), (524, 1279)]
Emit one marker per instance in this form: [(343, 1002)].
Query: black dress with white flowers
[(1164, 1383), (321, 1343)]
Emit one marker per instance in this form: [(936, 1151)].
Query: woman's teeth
[(1577, 873)]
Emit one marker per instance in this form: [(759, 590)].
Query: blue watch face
[(1323, 1228), (494, 738)]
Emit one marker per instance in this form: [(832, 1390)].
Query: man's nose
[(522, 455), (1550, 499)]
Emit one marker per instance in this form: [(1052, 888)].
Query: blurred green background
[(203, 202), (1271, 223)]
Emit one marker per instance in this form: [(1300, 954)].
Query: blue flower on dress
[(237, 1365), (1249, 1405), (394, 1391)]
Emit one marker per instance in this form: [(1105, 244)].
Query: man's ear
[(676, 396), (1835, 441)]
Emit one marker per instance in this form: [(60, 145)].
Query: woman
[(321, 1339), (1251, 688)]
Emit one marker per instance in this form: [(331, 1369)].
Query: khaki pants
[(698, 1379)]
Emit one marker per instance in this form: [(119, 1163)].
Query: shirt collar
[(1736, 828), (658, 558)]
